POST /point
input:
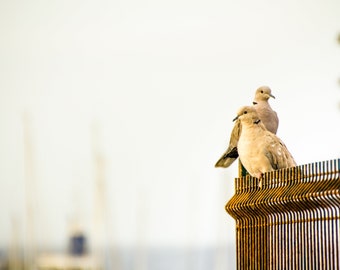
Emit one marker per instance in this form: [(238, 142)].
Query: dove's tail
[(227, 158)]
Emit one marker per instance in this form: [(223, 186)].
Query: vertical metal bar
[(337, 223)]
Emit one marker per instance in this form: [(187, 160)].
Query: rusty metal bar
[(292, 221)]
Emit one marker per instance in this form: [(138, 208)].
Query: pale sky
[(161, 81)]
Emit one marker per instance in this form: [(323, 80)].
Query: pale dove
[(260, 151), (267, 116)]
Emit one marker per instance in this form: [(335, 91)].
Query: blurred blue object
[(78, 244)]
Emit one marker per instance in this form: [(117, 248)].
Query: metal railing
[(292, 221)]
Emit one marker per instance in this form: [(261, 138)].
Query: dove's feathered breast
[(268, 116)]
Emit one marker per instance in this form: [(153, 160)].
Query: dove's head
[(263, 93), (247, 114)]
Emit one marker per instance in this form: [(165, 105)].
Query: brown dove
[(260, 150)]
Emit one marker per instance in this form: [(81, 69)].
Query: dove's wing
[(231, 154), (277, 153)]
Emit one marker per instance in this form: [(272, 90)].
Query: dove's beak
[(271, 95), (235, 118)]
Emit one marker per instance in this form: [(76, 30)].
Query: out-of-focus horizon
[(113, 114)]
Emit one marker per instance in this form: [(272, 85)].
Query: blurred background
[(113, 114)]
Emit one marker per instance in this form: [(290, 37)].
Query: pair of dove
[(253, 138)]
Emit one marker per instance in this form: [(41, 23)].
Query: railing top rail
[(305, 187)]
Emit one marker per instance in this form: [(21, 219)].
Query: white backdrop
[(160, 82)]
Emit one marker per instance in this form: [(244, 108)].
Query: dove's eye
[(245, 112), (261, 91)]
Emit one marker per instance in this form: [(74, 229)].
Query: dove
[(260, 150), (267, 116)]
